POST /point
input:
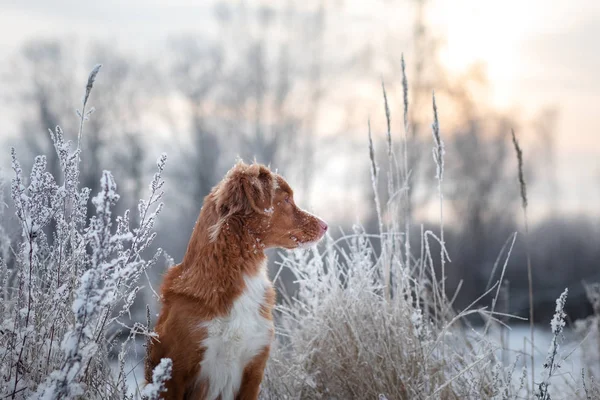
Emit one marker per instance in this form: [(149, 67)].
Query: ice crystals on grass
[(552, 362), (73, 280)]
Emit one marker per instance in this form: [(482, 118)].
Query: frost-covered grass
[(371, 318), (68, 288)]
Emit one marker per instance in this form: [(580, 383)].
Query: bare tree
[(482, 199), (545, 126), (197, 74), (43, 69), (46, 69), (259, 83)]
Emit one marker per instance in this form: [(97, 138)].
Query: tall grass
[(524, 203), (371, 318), (68, 290)]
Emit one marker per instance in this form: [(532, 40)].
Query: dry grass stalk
[(524, 204)]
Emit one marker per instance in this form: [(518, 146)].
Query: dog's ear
[(244, 189), (258, 183)]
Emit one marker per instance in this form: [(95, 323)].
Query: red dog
[(216, 323)]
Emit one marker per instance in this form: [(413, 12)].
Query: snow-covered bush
[(66, 294), (160, 375), (552, 360)]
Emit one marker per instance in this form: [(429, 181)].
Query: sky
[(537, 53)]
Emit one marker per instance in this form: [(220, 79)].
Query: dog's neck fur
[(236, 251)]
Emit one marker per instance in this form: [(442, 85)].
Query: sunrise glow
[(488, 33)]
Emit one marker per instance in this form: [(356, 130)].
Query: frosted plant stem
[(406, 183), (523, 187), (391, 210), (495, 299), (83, 114), (438, 156), (374, 179)]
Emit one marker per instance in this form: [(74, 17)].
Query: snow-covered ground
[(517, 347)]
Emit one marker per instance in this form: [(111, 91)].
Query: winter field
[(369, 319), (511, 351)]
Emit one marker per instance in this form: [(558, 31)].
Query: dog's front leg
[(253, 375)]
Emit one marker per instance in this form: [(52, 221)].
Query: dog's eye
[(287, 199)]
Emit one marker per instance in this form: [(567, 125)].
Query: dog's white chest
[(233, 341)]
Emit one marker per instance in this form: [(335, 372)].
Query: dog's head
[(263, 203)]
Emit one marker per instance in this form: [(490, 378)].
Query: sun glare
[(487, 32)]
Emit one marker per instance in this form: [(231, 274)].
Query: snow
[(516, 351), (160, 374)]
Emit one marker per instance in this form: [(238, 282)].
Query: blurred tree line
[(282, 85)]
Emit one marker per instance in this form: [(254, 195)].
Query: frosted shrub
[(552, 360), (67, 294), (342, 338), (370, 318)]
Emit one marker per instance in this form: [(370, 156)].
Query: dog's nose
[(323, 225)]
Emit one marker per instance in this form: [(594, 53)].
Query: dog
[(216, 322)]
